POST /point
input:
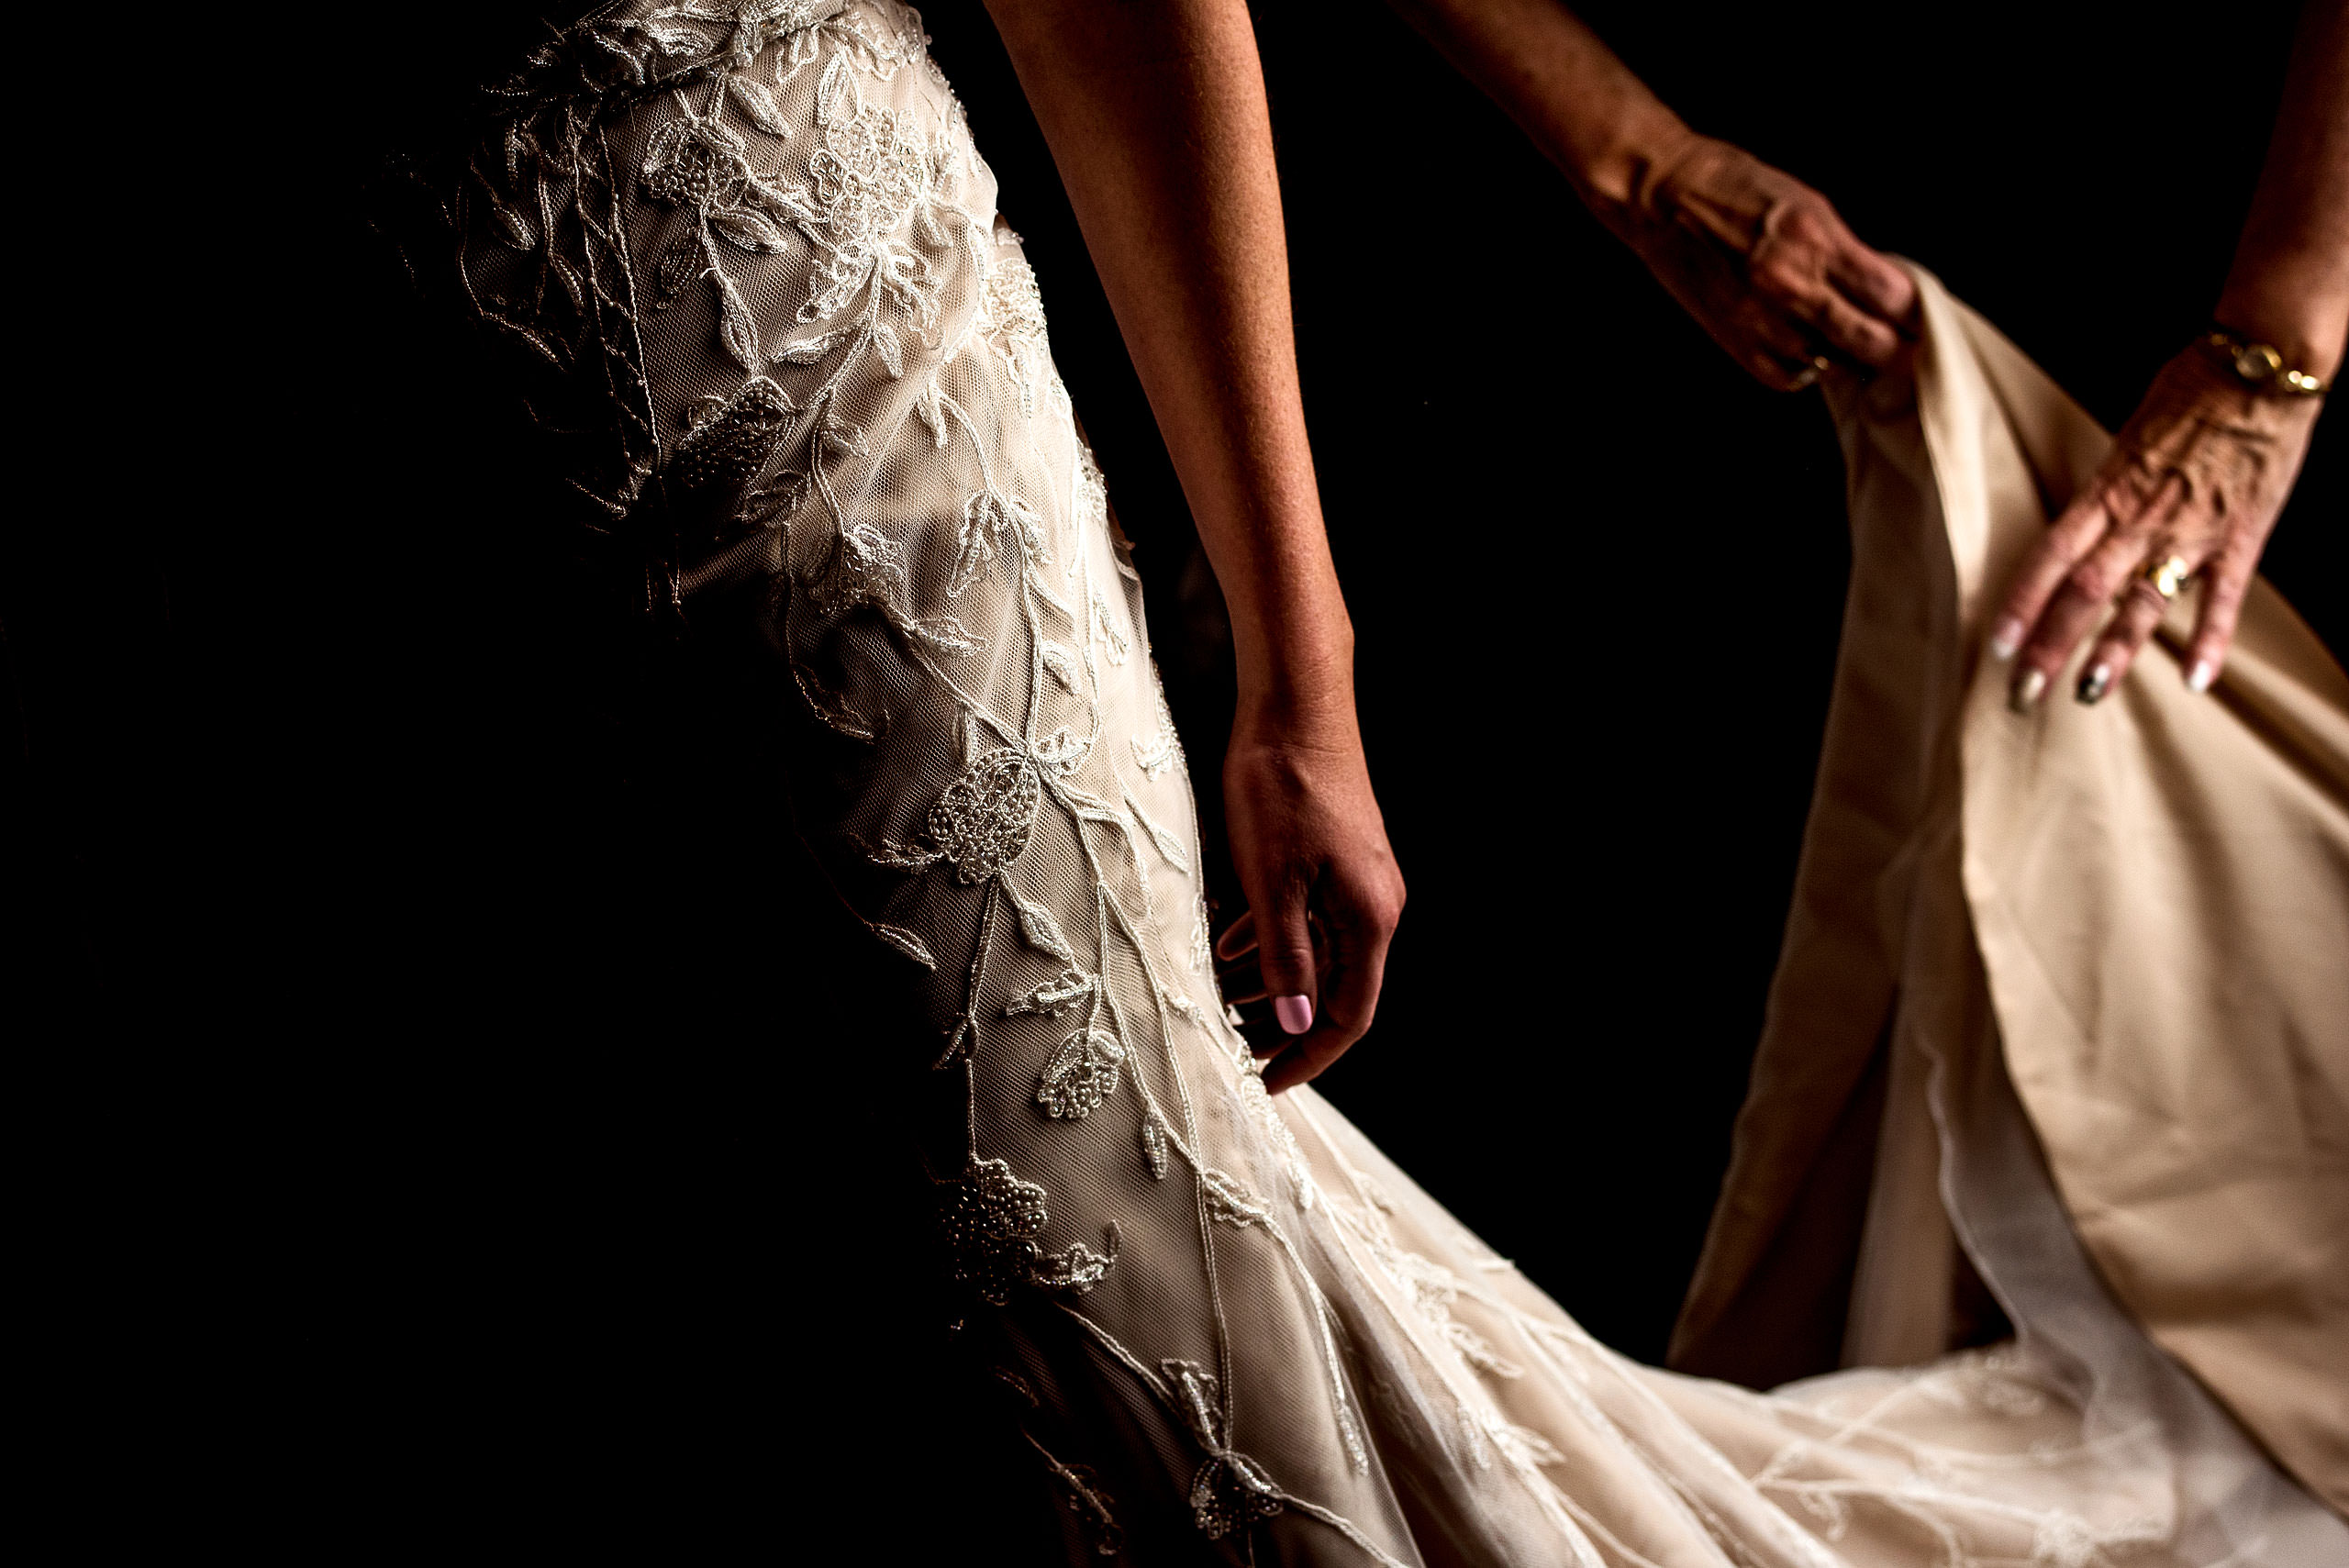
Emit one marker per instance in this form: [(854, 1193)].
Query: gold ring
[(1819, 365), (2169, 576)]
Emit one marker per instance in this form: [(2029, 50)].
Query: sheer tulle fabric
[(748, 259)]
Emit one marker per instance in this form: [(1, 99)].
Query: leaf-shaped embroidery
[(678, 37), (680, 265), (1117, 647), (749, 229), (517, 229), (1231, 1202), (631, 58), (1168, 844), (1060, 661), (1055, 996), (568, 276), (807, 350), (896, 856), (735, 327), (803, 52), (1037, 925), (1153, 1148), (838, 102), (754, 100), (942, 634), (829, 706), (790, 199), (904, 941), (885, 344)]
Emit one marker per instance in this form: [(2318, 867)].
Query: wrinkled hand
[(1764, 264), (1323, 890), (2199, 473)]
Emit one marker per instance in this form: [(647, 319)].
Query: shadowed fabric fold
[(2155, 891)]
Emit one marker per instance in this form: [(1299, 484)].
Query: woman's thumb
[(1284, 956)]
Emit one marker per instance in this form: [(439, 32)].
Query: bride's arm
[(1758, 258), (1155, 114)]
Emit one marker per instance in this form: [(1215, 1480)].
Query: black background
[(458, 1047)]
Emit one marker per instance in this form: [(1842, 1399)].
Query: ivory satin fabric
[(792, 371), (2145, 905)]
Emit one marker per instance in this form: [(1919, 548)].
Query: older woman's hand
[(2193, 485), (1765, 265)]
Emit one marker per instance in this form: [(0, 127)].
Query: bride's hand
[(2195, 480), (1764, 264), (1323, 890)]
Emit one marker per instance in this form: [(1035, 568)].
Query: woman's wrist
[(1616, 173), (2292, 312), (1301, 682)]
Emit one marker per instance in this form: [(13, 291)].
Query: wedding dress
[(746, 261)]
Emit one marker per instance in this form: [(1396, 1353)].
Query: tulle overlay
[(778, 334)]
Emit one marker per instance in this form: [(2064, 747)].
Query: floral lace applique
[(992, 1220), (732, 442), (981, 822), (1081, 1074), (1015, 329), (873, 173)]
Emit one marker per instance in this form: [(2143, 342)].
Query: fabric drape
[(2155, 891)]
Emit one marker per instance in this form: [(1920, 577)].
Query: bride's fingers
[(1362, 924), (1239, 938), (2142, 609), (1241, 983), (1285, 949)]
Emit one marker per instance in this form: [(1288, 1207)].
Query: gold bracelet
[(2260, 367)]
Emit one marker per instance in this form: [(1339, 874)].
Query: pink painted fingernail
[(1296, 1013), (2005, 638), (2199, 679)]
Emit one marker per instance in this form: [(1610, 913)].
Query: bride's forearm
[(1156, 117), (1581, 105), (2289, 283)]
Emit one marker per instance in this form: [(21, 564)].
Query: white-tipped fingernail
[(2005, 638), (2028, 691), (2199, 679)]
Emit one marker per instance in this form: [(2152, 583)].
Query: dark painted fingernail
[(1296, 1013), (2028, 691), (2094, 684)]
